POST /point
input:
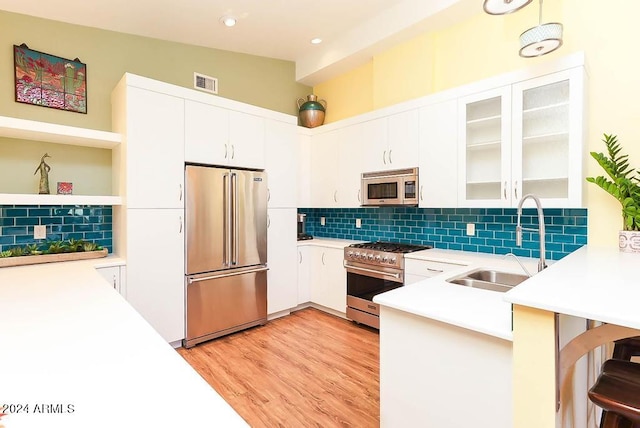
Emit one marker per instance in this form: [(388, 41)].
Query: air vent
[(205, 83)]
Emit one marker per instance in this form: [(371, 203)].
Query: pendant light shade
[(541, 40), (503, 7)]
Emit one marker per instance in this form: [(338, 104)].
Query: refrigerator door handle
[(226, 257), (226, 275), (236, 220)]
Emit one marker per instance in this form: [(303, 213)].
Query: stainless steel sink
[(489, 280)]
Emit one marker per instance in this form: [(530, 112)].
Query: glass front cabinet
[(524, 138)]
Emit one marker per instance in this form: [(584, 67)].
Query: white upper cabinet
[(523, 138), (217, 136), (484, 161), (324, 170), (391, 142), (281, 163), (304, 171), (438, 155), (548, 135), (154, 149), (350, 151)]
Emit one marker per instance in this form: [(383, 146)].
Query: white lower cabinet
[(329, 279), (115, 276), (155, 268), (305, 256), (281, 258), (417, 270)]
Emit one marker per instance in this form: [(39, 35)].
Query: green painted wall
[(265, 82)]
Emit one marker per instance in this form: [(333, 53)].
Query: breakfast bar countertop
[(74, 353)]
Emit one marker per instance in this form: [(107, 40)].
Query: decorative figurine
[(44, 175)]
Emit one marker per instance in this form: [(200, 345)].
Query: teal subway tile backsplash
[(445, 228), (90, 223)]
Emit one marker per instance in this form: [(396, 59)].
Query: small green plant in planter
[(32, 250), (56, 247), (75, 245), (5, 254), (623, 183)]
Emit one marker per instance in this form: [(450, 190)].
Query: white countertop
[(327, 242), (474, 309), (67, 338), (600, 284)]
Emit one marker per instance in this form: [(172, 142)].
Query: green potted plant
[(623, 183)]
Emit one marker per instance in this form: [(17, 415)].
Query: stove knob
[(385, 259), (378, 259), (370, 256), (350, 254), (392, 260)]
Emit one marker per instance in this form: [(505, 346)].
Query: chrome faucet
[(542, 262), (524, 268)]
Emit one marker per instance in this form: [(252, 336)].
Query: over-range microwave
[(396, 187)]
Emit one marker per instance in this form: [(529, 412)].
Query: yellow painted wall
[(485, 45), (260, 81), (350, 93)]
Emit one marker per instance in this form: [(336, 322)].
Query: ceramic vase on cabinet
[(629, 241), (311, 111)]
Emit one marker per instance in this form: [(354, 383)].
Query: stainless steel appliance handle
[(377, 272), (226, 256), (236, 217), (226, 275)]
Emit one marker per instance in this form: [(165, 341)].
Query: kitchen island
[(74, 353), (445, 349)]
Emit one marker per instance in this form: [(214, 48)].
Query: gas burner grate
[(390, 247)]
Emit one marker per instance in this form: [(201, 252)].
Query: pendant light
[(503, 7), (541, 40)]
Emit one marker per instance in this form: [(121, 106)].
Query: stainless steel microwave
[(396, 187)]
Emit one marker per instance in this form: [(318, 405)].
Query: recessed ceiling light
[(228, 21), (316, 41)]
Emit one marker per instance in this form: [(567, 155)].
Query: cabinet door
[(112, 275), (246, 137), (155, 150), (438, 155), (304, 171), (324, 177), (350, 149), (281, 162), (403, 135), (484, 156), (155, 268), (305, 261), (281, 258), (375, 138), (329, 279), (547, 138), (206, 134)]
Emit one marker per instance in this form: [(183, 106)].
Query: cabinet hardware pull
[(390, 160), (515, 189), (114, 281), (434, 270), (323, 258), (180, 231), (268, 221), (372, 307), (225, 151), (421, 189), (384, 157), (359, 194), (300, 257), (233, 151), (268, 195), (180, 191), (504, 192), (335, 196)]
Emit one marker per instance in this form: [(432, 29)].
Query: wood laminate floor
[(306, 369)]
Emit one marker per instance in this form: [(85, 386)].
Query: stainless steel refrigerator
[(226, 251)]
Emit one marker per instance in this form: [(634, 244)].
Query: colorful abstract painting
[(50, 81)]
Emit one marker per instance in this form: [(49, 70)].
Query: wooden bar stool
[(625, 349), (617, 391)]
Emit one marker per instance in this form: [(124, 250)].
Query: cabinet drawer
[(428, 268)]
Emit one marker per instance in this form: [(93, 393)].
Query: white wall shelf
[(11, 127), (32, 199)]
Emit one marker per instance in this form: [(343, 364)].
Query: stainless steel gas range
[(373, 268)]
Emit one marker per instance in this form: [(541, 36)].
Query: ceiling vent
[(205, 83)]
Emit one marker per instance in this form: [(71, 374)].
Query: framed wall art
[(49, 80)]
